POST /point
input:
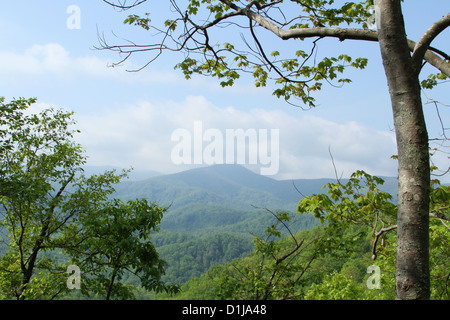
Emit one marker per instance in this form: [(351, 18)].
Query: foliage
[(276, 267), (334, 287), (117, 238), (191, 258), (203, 287), (192, 28), (366, 205), (336, 263), (248, 278), (432, 80), (50, 210), (38, 161), (297, 74), (360, 201), (440, 242)]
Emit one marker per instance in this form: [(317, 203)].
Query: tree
[(38, 163), (117, 240), (360, 201), (195, 31), (51, 211), (275, 269), (357, 223)]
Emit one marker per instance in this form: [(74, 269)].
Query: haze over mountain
[(221, 195)]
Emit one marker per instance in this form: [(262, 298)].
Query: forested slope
[(215, 212)]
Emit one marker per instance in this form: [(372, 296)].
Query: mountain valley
[(214, 212)]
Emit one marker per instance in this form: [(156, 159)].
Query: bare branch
[(279, 220), (446, 225), (433, 59), (122, 4), (377, 236), (439, 215), (334, 166)]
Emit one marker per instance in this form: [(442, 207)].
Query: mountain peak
[(223, 175), (226, 170)]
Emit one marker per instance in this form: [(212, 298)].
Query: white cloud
[(53, 61), (50, 59), (140, 136)]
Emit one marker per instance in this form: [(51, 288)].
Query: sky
[(128, 119)]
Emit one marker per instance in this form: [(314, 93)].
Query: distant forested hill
[(215, 211), (222, 196)]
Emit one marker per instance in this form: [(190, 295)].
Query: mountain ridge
[(212, 216), (201, 198)]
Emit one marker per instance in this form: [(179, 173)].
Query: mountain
[(214, 213), (221, 196), (231, 185), (216, 197)]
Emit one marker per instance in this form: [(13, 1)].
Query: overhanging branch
[(253, 10), (422, 49), (424, 42)]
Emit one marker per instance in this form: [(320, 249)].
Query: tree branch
[(280, 220), (433, 59), (439, 215), (355, 34), (421, 50), (377, 236), (433, 214), (424, 42), (123, 5)]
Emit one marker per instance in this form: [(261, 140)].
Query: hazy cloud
[(140, 136)]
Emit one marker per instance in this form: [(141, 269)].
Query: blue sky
[(127, 118)]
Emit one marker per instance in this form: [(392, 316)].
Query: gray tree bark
[(412, 270)]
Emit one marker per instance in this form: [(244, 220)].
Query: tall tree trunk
[(412, 271)]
